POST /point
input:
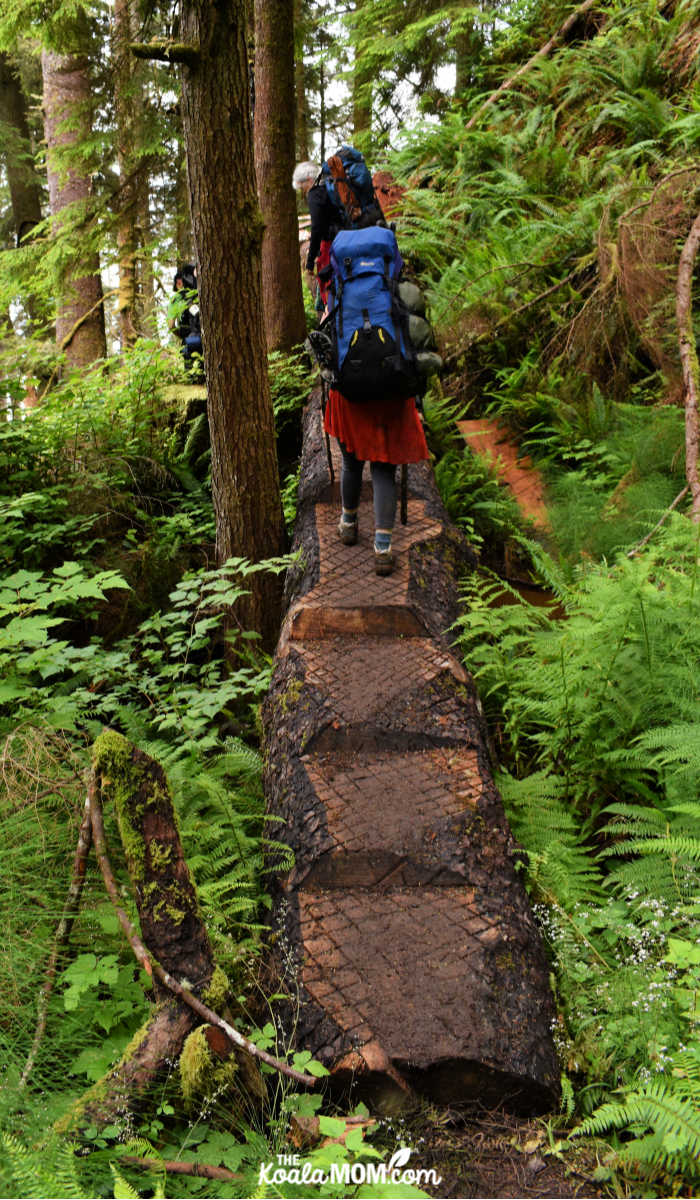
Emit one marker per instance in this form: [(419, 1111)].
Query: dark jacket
[(324, 221)]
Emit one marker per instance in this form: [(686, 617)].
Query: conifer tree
[(80, 325), (228, 231), (285, 322)]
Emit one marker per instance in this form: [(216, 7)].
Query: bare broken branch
[(61, 936), (689, 361), (166, 51)]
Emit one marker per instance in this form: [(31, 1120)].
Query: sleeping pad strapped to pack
[(373, 355)]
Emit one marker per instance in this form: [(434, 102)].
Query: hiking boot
[(347, 532), (383, 562)]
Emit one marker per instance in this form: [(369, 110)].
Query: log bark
[(409, 949), (689, 361), (177, 945)]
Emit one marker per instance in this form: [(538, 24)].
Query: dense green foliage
[(549, 237)]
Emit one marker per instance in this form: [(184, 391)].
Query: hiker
[(308, 180), (184, 320), (386, 433), (368, 360), (340, 195)]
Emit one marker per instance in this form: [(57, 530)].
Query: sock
[(382, 539), (349, 516)]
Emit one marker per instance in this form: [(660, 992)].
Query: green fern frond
[(47, 1170), (673, 1121)]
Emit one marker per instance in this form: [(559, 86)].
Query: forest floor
[(498, 1154)]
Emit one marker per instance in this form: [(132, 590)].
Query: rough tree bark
[(125, 111), (285, 322), (689, 360), (228, 234), (80, 325)]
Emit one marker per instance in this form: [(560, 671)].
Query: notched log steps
[(406, 940)]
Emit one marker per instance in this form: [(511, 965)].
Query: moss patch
[(201, 1075)]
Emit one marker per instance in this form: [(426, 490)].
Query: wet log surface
[(406, 940)]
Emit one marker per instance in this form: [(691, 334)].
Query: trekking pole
[(404, 494), (329, 456)]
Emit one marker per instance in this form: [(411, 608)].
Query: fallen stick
[(154, 969), (635, 549), (70, 911), (175, 1167)]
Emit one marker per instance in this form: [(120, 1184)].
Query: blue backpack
[(350, 189), (372, 354)]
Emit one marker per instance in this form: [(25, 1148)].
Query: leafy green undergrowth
[(101, 500), (597, 724)]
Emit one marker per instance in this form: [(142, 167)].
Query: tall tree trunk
[(228, 236), (145, 279), (361, 97), (125, 110), (285, 323), (302, 108), (468, 45), (322, 110), (16, 152), (183, 224), (80, 325)]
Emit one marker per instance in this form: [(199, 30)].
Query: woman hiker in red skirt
[(387, 432)]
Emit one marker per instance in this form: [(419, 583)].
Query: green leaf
[(332, 1126)]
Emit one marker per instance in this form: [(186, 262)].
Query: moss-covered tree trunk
[(172, 931), (285, 323), (228, 235)]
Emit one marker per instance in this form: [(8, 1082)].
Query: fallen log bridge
[(405, 942)]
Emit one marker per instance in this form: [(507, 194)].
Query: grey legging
[(383, 484)]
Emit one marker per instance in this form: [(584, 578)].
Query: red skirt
[(388, 431)]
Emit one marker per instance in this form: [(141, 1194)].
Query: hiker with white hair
[(308, 179)]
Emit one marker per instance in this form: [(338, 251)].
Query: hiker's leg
[(350, 487), (384, 486), (350, 481)]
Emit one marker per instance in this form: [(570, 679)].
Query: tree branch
[(541, 53), (154, 969), (635, 549), (689, 361), (175, 1167), (165, 51)]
